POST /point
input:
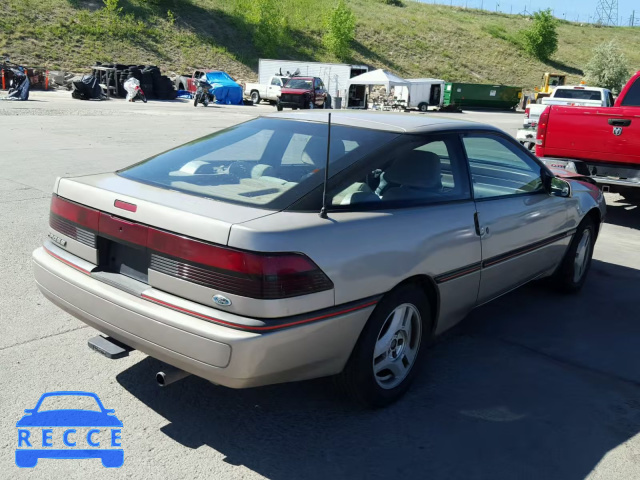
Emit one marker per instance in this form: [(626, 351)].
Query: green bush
[(608, 67), (269, 24), (340, 31), (541, 39)]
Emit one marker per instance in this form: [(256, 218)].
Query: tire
[(143, 97), (573, 270), (279, 107), (255, 97), (195, 100), (403, 354), (423, 107), (205, 101), (631, 194)]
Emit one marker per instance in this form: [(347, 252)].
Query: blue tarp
[(227, 91)]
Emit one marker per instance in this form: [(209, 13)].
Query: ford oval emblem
[(221, 300)]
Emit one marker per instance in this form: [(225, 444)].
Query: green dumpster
[(461, 95)]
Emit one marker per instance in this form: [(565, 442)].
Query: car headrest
[(315, 151), (418, 169)]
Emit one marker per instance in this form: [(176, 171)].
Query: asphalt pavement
[(533, 385)]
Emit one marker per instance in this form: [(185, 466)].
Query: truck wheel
[(279, 107), (423, 107), (389, 351), (572, 272), (195, 100), (632, 194), (255, 97)]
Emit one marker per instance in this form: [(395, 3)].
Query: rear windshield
[(266, 162), (577, 94)]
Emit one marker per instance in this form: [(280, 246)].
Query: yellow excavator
[(549, 82)]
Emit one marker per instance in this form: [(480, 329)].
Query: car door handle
[(619, 122)]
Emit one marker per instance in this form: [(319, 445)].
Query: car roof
[(578, 87), (390, 122)]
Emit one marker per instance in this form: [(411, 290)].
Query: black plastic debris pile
[(152, 82), (18, 84), (86, 87)]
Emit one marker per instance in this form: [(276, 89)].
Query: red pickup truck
[(302, 92), (605, 140)]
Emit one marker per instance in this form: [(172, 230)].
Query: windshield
[(69, 402), (577, 94), (299, 83), (265, 162)]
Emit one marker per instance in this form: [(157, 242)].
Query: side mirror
[(559, 188)]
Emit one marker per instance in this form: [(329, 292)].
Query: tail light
[(527, 112), (542, 128), (250, 274), (68, 218)]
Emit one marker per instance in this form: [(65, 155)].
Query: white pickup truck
[(579, 95), (269, 92)]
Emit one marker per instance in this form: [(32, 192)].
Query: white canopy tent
[(378, 77)]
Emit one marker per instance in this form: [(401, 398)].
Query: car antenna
[(323, 210)]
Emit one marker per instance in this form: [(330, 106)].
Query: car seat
[(417, 176)]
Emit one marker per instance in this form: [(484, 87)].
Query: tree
[(608, 67), (341, 27), (541, 39)]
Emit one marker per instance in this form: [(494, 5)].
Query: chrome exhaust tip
[(169, 375)]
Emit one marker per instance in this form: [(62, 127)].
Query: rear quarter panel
[(369, 253)]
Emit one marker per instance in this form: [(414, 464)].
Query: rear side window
[(632, 97), (265, 162), (425, 170), (276, 81), (500, 168)]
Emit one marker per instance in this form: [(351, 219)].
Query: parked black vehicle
[(203, 93)]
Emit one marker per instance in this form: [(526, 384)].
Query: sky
[(574, 10)]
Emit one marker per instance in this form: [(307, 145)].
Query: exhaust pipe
[(170, 374)]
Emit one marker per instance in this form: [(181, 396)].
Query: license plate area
[(124, 259)]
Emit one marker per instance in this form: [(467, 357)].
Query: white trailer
[(421, 93), (335, 77)]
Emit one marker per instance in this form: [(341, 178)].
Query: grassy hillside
[(416, 40)]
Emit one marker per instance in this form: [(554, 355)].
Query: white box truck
[(335, 77), (421, 93)]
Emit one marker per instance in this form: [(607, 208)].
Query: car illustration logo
[(617, 131), (221, 300), (48, 431)]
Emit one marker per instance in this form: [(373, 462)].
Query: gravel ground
[(534, 385)]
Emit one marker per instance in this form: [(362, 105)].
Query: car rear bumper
[(223, 355)]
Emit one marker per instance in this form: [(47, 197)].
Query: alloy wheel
[(397, 346), (582, 256)]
